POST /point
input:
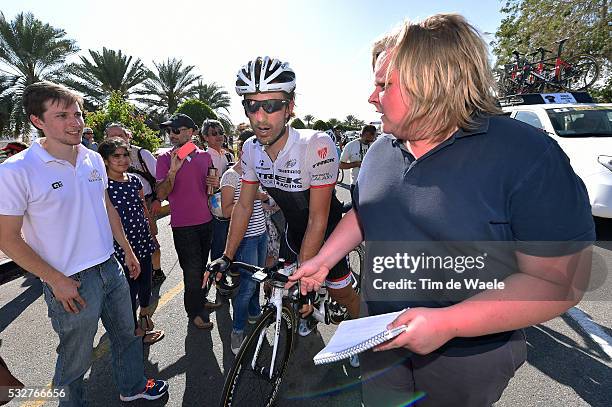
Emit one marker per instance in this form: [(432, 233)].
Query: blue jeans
[(107, 295), (252, 250), (219, 236)]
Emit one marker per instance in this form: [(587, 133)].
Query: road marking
[(592, 329), (104, 345)]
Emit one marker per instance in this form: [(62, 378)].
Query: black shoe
[(158, 277)]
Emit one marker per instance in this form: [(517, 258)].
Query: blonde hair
[(443, 66)]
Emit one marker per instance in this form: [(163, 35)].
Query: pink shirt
[(189, 198)]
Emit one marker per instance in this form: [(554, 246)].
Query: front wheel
[(355, 259), (252, 381), (582, 72)]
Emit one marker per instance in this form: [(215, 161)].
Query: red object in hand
[(185, 150)]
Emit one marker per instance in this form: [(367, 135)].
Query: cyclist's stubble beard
[(267, 144)]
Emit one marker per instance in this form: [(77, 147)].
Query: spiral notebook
[(358, 335)]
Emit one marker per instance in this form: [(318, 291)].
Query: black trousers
[(398, 377), (192, 244)]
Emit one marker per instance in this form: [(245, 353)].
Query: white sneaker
[(354, 361), (304, 328), (236, 339)]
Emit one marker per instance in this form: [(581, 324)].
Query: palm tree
[(169, 87), (107, 72), (213, 95), (350, 120), (333, 122), (308, 119), (31, 51), (217, 99)]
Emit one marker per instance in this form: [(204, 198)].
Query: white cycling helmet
[(265, 75)]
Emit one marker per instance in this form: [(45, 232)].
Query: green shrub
[(120, 110), (320, 125), (197, 110), (298, 124)]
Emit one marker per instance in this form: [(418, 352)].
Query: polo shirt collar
[(37, 149), (481, 127)]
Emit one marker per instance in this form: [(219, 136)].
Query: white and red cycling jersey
[(308, 160)]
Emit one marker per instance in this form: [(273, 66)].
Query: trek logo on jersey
[(57, 185), (291, 163), (282, 181), (322, 152), (94, 176), (329, 160)]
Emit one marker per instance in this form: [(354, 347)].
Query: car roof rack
[(545, 98)]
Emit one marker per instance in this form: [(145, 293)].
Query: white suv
[(584, 132)]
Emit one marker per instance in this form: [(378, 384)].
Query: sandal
[(152, 337), (145, 323)]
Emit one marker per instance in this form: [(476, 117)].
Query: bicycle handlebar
[(272, 273)]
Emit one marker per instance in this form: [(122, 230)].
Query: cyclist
[(298, 169)]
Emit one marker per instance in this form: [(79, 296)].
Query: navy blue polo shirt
[(503, 181)]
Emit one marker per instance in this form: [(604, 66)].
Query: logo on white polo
[(94, 176)]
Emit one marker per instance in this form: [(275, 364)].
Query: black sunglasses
[(269, 105), (174, 130)]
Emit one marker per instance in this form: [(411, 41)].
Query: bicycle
[(257, 372), (576, 73)]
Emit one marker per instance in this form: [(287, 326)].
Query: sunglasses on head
[(269, 105), (174, 130)]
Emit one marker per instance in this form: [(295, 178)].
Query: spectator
[(444, 177), (14, 147), (252, 249), (59, 182), (126, 194), (184, 182), (354, 151), (88, 139), (143, 164), (213, 135)]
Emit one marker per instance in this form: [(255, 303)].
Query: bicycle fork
[(277, 300)]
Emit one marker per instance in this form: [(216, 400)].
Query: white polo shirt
[(354, 151), (63, 207), (219, 159)]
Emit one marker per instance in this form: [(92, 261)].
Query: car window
[(529, 118), (591, 121)]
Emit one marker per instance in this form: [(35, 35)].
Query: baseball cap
[(179, 120), (15, 146)]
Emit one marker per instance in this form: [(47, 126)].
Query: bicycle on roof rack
[(258, 369), (573, 74)]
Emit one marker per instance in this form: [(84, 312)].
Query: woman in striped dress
[(252, 250)]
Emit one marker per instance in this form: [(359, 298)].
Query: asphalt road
[(566, 365)]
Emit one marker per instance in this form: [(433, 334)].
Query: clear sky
[(327, 42)]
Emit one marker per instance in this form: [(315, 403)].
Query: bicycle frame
[(276, 300)]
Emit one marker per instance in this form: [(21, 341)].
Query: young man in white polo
[(55, 193)]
